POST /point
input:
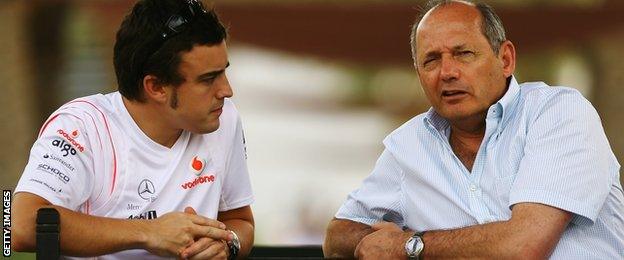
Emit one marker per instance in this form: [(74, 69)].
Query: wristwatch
[(234, 246), (414, 246)]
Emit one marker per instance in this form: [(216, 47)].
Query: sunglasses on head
[(178, 22)]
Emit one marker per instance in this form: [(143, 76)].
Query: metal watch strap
[(233, 246)]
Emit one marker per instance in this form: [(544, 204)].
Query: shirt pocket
[(504, 177), (507, 159), (503, 188)]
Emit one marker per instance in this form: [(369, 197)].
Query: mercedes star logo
[(146, 189)]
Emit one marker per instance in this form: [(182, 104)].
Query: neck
[(466, 139), (473, 125), (149, 118), (469, 131)]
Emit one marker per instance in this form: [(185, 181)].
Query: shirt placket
[(471, 180), (478, 203)]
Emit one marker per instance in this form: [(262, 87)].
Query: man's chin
[(207, 129), (455, 115)]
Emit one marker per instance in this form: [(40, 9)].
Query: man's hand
[(172, 233), (386, 242), (205, 247)]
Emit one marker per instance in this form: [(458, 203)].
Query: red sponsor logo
[(71, 139), (198, 181), (197, 165)]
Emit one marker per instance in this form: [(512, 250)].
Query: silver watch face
[(414, 246), (235, 242), (410, 246)]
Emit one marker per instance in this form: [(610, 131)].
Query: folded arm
[(85, 235), (532, 233), (343, 236)]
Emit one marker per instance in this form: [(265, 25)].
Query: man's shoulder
[(540, 91), (538, 96), (411, 130), (97, 105), (83, 113), (415, 123)]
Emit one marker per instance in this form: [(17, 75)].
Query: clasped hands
[(186, 235)]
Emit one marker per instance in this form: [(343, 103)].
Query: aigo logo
[(65, 147), (197, 165)]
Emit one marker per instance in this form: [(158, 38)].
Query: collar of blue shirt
[(501, 109)]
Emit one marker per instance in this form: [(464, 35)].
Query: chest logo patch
[(146, 190), (197, 165)]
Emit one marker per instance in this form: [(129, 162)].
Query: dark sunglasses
[(178, 22)]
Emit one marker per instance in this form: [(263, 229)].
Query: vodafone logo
[(197, 165), (198, 181), (71, 140)]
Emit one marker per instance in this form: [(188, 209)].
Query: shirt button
[(473, 188)]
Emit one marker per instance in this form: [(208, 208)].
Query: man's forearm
[(84, 235), (532, 233), (245, 232), (491, 241), (343, 237)]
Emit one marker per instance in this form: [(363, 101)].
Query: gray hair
[(491, 25)]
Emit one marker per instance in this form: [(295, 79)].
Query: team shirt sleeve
[(567, 161), (379, 197), (237, 190), (58, 168)]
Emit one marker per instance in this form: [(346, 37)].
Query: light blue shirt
[(542, 144)]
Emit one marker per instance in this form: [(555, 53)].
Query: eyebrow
[(435, 54), (459, 47), (212, 74)]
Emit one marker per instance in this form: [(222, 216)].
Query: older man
[(495, 169)]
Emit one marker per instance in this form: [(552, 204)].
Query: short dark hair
[(142, 49), (491, 25)]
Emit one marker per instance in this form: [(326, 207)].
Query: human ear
[(154, 90), (507, 54)]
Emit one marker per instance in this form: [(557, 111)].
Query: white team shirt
[(91, 157)]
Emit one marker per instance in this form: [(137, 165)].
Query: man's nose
[(449, 69), (225, 90)]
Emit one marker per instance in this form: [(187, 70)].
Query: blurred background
[(318, 83)]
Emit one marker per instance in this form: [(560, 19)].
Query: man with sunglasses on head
[(157, 168)]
